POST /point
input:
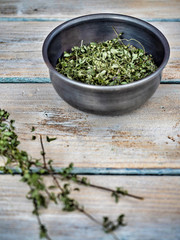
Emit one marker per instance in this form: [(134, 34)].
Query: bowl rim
[(100, 16)]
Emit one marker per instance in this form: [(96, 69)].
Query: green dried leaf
[(32, 129), (52, 187), (110, 226), (50, 139), (43, 231), (33, 137)]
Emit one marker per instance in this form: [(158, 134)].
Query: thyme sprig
[(107, 63), (40, 193), (67, 174)]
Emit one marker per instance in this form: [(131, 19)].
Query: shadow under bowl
[(105, 100)]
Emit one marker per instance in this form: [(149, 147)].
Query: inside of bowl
[(100, 30)]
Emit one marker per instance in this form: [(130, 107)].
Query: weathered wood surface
[(146, 138), (144, 141), (66, 9), (156, 217), (21, 47)]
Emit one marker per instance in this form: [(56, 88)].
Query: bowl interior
[(64, 37)]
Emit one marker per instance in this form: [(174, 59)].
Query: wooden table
[(139, 151)]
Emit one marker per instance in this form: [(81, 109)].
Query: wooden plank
[(156, 217), (64, 9), (21, 44), (145, 138)]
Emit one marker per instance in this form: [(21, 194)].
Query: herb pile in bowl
[(106, 63)]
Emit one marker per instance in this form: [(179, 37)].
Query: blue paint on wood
[(47, 80), (22, 19), (162, 19), (114, 171), (24, 80), (172, 81), (126, 171)]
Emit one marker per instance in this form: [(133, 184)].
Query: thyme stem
[(43, 153), (78, 180), (39, 219), (59, 186), (88, 215), (111, 190), (45, 164)]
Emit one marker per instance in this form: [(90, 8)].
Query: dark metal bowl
[(105, 100)]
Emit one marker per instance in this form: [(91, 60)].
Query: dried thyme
[(106, 63), (42, 194)]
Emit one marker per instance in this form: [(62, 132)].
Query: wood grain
[(65, 9), (156, 217), (145, 138), (21, 47), (146, 141)]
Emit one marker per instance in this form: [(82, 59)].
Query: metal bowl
[(105, 100)]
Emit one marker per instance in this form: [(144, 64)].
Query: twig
[(59, 186), (117, 35), (131, 39), (88, 215), (39, 219), (43, 152), (111, 190), (45, 165), (108, 189)]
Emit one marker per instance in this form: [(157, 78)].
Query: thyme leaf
[(48, 139), (110, 226)]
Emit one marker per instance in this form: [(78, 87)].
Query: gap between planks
[(25, 19), (47, 80), (113, 171)]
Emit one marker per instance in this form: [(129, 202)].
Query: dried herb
[(33, 137), (106, 63), (50, 139), (110, 226), (40, 193), (32, 129)]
